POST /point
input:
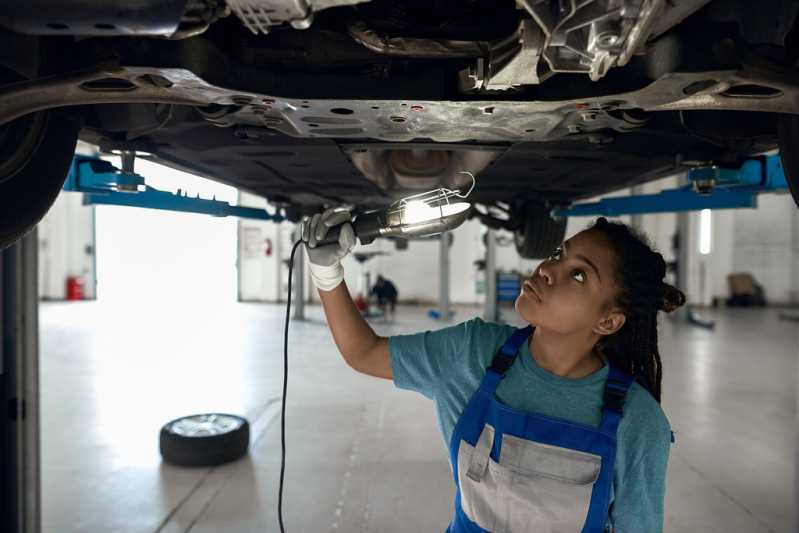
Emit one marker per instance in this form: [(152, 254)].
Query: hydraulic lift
[(104, 184), (710, 187)]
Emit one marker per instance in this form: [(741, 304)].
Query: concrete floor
[(362, 456)]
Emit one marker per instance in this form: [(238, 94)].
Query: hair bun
[(673, 298)]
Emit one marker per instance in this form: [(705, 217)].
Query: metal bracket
[(104, 184), (710, 187)]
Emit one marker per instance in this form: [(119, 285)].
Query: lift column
[(20, 477), (443, 276), (299, 276), (490, 309)]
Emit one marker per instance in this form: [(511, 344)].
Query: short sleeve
[(419, 362), (641, 470)]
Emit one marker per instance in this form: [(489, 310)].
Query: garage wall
[(264, 249), (67, 244), (66, 247), (764, 242), (259, 254)]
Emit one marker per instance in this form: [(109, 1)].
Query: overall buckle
[(613, 398), (501, 363)]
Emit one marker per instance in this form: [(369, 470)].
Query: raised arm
[(361, 348)]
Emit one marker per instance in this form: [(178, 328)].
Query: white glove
[(325, 261)]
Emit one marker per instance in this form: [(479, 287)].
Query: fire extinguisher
[(74, 288)]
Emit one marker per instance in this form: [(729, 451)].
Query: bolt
[(599, 139), (704, 187), (606, 40)]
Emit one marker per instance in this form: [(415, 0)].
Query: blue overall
[(523, 472)]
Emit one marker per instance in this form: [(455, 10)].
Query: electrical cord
[(285, 386)]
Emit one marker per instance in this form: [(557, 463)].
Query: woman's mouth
[(529, 288)]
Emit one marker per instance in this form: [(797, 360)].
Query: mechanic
[(568, 435), (386, 293)]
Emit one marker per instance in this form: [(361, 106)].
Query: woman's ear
[(610, 324)]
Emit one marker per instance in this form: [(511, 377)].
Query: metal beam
[(104, 184), (670, 201), (443, 276), (299, 276), (490, 305), (636, 221), (708, 188), (20, 504)]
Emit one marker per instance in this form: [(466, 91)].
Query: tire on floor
[(207, 439)]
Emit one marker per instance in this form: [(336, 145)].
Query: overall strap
[(616, 387), (507, 353)]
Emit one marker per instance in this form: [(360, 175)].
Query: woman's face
[(572, 290)]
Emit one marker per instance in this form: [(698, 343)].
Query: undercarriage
[(310, 103)]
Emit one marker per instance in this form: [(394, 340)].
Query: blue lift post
[(103, 183), (709, 188)]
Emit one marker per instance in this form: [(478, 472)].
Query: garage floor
[(362, 456)]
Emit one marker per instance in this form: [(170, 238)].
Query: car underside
[(310, 103)]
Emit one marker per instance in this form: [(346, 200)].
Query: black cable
[(285, 383)]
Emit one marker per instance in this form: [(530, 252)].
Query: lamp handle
[(366, 226)]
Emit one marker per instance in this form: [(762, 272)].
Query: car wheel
[(539, 233), (788, 130), (35, 153), (204, 440)]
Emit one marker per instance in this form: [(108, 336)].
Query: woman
[(556, 427)]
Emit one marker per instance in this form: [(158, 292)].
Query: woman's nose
[(544, 272)]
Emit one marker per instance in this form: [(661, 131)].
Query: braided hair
[(639, 272)]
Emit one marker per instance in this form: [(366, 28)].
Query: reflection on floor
[(363, 456)]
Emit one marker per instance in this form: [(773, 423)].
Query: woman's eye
[(579, 275)]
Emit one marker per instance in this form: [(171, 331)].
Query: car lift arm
[(709, 188), (103, 183)]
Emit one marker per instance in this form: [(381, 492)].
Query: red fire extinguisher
[(74, 288)]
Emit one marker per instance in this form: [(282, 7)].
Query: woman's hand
[(325, 261)]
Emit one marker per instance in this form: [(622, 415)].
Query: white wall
[(764, 242), (66, 247), (260, 251), (66, 237)]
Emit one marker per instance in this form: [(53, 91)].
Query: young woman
[(555, 427)]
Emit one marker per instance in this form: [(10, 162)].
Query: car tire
[(539, 233), (36, 151), (208, 439), (788, 131)]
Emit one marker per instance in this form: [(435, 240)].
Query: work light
[(420, 215)]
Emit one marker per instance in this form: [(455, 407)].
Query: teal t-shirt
[(447, 366)]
